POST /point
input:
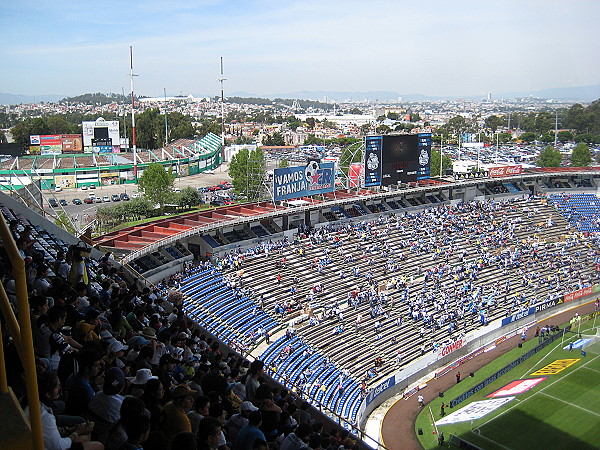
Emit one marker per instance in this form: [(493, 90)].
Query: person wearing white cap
[(142, 376), (237, 421), (116, 350)]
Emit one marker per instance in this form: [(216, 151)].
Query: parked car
[(57, 189), (98, 199), (77, 201), (115, 198), (203, 189), (136, 195), (62, 202), (92, 186), (53, 203), (106, 199), (124, 197), (84, 188), (88, 200)]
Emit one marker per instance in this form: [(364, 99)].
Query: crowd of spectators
[(121, 367), (447, 293)]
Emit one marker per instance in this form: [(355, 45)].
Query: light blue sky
[(434, 47)]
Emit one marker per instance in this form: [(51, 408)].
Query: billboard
[(294, 182), (55, 144), (394, 159), (72, 143), (100, 133), (504, 171)]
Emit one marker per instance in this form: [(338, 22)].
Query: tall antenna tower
[(133, 141), (222, 114)]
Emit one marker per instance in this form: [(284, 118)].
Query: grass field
[(561, 412)]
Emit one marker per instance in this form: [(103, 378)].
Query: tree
[(156, 184), (241, 140), (392, 115), (310, 122), (434, 163), (189, 197), (62, 220), (247, 171), (3, 139), (355, 111), (274, 140), (528, 137), (284, 163), (365, 128), (493, 122), (383, 129), (565, 136), (549, 157), (581, 156)]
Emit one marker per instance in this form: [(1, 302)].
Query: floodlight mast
[(133, 140), (222, 114)]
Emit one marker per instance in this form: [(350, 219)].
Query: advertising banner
[(578, 294), (445, 351), (72, 143), (355, 173), (504, 171), (294, 182), (516, 387), (55, 149), (372, 164), (65, 181), (474, 411), (380, 389)]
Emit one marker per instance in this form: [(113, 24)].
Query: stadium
[(346, 300)]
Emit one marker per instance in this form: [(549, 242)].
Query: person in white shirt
[(49, 389)]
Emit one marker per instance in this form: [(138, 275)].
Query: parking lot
[(78, 211)]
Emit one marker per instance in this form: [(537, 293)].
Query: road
[(77, 212)]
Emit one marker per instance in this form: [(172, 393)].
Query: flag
[(583, 353)]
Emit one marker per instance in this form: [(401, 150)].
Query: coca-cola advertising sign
[(504, 171)]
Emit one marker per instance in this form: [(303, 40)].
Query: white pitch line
[(569, 403), (531, 396), (492, 441), (595, 370), (546, 356)]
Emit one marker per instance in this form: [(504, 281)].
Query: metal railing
[(21, 333)]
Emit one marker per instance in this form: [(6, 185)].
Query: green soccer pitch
[(561, 412)]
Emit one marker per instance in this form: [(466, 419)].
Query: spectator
[(250, 433), (200, 411), (209, 431), (298, 439), (79, 437), (105, 406), (79, 389), (237, 421), (49, 342), (174, 416), (117, 436), (138, 430)]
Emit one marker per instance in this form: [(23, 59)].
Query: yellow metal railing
[(21, 332)]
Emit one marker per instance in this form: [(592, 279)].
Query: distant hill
[(17, 99), (95, 99), (579, 93)]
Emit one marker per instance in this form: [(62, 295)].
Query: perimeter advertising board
[(394, 159), (294, 182)]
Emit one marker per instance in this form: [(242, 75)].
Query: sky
[(269, 47)]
